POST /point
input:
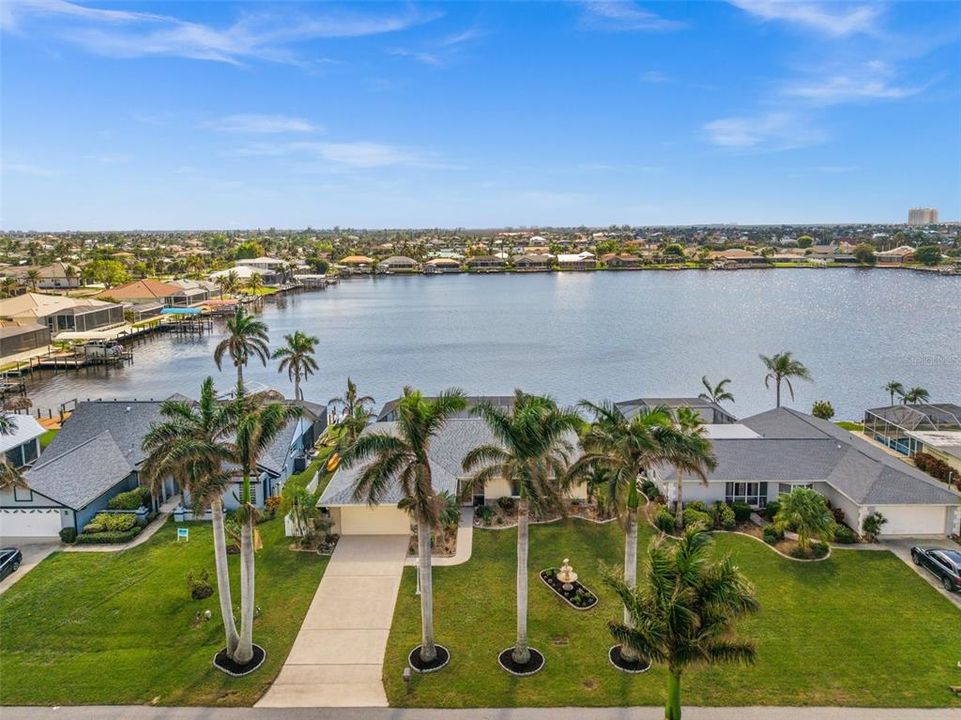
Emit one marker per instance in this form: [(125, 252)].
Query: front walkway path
[(338, 656)]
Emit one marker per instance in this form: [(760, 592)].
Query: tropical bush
[(770, 510), (935, 467), (485, 513), (103, 538), (872, 524), (507, 504), (772, 535), (68, 535), (805, 512), (664, 520), (823, 409), (742, 511), (696, 505), (838, 515), (724, 516), (816, 550), (844, 535), (130, 500), (692, 516), (649, 488), (110, 522), (198, 583)]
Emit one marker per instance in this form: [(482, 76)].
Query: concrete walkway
[(465, 542), (158, 522), (338, 656), (145, 712)]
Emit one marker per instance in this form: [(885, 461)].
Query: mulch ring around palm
[(628, 665), (534, 663), (226, 665), (439, 661)]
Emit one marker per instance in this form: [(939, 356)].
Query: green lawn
[(858, 629), (119, 628), (47, 438)]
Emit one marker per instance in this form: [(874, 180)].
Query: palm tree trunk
[(297, 387), (521, 654), (245, 649), (427, 650), (240, 377), (630, 572), (672, 709), (778, 385), (223, 577), (679, 502)]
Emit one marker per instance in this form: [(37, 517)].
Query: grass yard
[(121, 628), (858, 629)]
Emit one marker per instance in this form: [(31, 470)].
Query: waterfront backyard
[(121, 628), (858, 629)]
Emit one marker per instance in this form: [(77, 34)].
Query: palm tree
[(531, 452), (254, 285), (8, 423), (783, 367), (298, 358), (223, 283), (233, 282), (8, 287), (715, 393), (192, 445), (257, 426), (685, 610), (355, 411), (402, 458), (894, 388), (33, 277), (916, 396), (246, 337), (689, 451), (804, 511)]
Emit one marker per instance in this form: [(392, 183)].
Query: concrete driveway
[(337, 659), (34, 550), (902, 548)]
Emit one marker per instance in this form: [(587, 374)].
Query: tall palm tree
[(916, 396), (894, 388), (355, 409), (403, 458), (716, 393), (233, 282), (246, 338), (33, 278), (223, 283), (781, 368), (689, 451), (297, 358), (257, 426), (685, 609), (532, 452), (192, 444), (255, 284)]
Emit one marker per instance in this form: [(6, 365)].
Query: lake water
[(590, 335)]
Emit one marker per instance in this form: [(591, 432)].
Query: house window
[(752, 493), (29, 452), (15, 457), (785, 488), (22, 494)]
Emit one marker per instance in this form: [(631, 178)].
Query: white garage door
[(26, 522), (383, 520), (913, 519)]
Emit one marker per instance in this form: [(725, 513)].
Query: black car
[(10, 559), (946, 564)]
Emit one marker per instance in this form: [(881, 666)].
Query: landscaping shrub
[(130, 500), (815, 551), (935, 467), (844, 535), (723, 516), (838, 515), (271, 506), (649, 489), (696, 505), (772, 535), (507, 504), (770, 510), (871, 527), (198, 583), (68, 535), (664, 520), (742, 511), (692, 516), (485, 513), (109, 522), (109, 537)]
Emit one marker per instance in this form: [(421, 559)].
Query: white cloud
[(262, 124), (655, 77), (624, 15), (832, 18), (770, 131), (32, 170), (870, 81), (359, 154), (265, 35)]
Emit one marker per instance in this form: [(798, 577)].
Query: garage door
[(38, 522), (913, 519), (374, 521)]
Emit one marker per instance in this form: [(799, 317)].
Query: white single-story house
[(22, 445), (767, 455)]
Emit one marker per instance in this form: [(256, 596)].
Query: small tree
[(805, 512), (872, 525), (864, 253), (928, 254), (823, 409)]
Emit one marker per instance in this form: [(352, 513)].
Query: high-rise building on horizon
[(922, 216)]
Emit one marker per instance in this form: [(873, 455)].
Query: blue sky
[(224, 115)]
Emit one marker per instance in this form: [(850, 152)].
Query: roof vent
[(127, 409)]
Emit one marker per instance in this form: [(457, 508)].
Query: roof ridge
[(80, 445)]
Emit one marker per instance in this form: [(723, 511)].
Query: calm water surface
[(583, 335)]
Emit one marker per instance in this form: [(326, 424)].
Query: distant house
[(143, 291), (22, 446), (932, 428), (191, 293), (486, 263), (56, 276), (17, 336), (243, 273), (533, 262), (578, 261), (62, 314), (398, 263), (709, 412), (357, 264), (273, 271), (621, 261), (898, 256), (441, 265), (736, 257)]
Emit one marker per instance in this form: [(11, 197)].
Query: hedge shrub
[(109, 522), (770, 510), (724, 517), (68, 535), (664, 520), (742, 511), (935, 467), (772, 535), (693, 516), (844, 535), (102, 538), (130, 500)]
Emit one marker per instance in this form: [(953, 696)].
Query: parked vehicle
[(10, 559), (945, 564)]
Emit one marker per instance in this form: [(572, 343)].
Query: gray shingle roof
[(80, 475)]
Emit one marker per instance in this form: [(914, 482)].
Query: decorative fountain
[(567, 576)]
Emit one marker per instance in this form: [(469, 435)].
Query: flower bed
[(578, 597), (444, 546)]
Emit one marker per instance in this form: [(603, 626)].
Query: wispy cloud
[(358, 155), (624, 15), (262, 124), (873, 80), (443, 51), (770, 131), (32, 170), (831, 18), (266, 35), (654, 77)]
